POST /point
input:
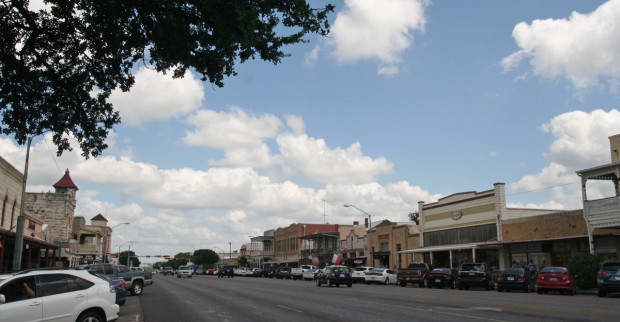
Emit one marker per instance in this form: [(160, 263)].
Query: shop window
[(487, 233), (448, 237), (431, 239), (467, 235)]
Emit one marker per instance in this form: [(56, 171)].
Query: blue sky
[(404, 101)]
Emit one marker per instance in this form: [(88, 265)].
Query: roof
[(99, 217), (65, 182)]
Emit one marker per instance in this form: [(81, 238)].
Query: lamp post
[(372, 251), (19, 229), (108, 237)]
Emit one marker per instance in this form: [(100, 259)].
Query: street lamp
[(106, 251), (372, 251)]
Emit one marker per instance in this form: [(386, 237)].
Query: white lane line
[(288, 308)]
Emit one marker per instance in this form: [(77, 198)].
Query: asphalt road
[(207, 298)]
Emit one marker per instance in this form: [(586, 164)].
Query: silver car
[(185, 271)]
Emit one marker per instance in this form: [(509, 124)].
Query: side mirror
[(2, 299)]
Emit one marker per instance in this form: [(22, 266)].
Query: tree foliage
[(414, 216), (585, 266), (133, 259), (205, 257), (243, 261), (58, 67)]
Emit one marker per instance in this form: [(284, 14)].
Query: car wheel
[(429, 285), (337, 285), (540, 291), (499, 289), (488, 287), (329, 283), (601, 293), (421, 284), (349, 285), (403, 284), (453, 285), (90, 317), (387, 281), (318, 282), (460, 287), (526, 289), (574, 291), (136, 288)]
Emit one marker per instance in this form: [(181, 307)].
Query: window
[(31, 225), (77, 284), (467, 235), (16, 290), (108, 270), (431, 239), (385, 247), (448, 237), (487, 233), (51, 284)]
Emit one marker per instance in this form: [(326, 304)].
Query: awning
[(444, 248)]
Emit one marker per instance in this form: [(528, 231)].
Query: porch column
[(450, 258), (473, 254)]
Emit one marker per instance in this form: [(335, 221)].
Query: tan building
[(93, 241), (291, 248), (353, 244), (37, 251), (386, 242)]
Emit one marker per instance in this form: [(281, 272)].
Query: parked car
[(514, 278), (119, 286), (310, 274), (136, 280), (474, 274), (380, 276), (414, 274), (440, 277), (242, 271), (226, 271), (211, 271), (556, 278), (185, 271), (334, 275), (257, 272), (298, 273), (48, 294), (168, 271), (283, 272), (199, 271), (608, 279), (359, 274)]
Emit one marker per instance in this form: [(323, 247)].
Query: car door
[(63, 296), (20, 305)]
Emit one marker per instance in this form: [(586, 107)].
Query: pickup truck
[(135, 281), (298, 272), (414, 274)]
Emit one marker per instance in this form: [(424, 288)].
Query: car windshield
[(377, 270), (441, 271), (560, 270)]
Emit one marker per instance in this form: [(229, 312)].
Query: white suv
[(185, 271), (59, 295)]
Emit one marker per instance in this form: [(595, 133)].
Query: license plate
[(408, 278), (510, 278), (553, 278), (617, 278), (437, 281), (472, 274)]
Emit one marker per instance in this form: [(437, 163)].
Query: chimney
[(614, 145)]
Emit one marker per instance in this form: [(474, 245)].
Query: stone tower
[(55, 209)]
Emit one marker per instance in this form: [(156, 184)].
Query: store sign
[(89, 257), (457, 214), (358, 261)]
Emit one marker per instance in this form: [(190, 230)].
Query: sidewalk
[(131, 311)]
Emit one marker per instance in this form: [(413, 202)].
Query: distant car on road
[(185, 271), (334, 275), (284, 272), (168, 271), (608, 279), (310, 274)]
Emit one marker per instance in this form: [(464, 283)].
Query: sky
[(404, 101)]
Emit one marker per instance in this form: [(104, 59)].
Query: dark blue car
[(608, 279), (335, 275)]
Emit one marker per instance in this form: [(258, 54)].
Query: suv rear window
[(560, 270), (472, 267), (417, 266), (611, 266)]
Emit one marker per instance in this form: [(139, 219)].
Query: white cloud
[(158, 97), (580, 142), (582, 48), (379, 30), (313, 159), (311, 57), (581, 139), (230, 130)]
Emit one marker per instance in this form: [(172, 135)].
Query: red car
[(211, 271), (556, 278)]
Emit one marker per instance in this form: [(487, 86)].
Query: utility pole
[(19, 229)]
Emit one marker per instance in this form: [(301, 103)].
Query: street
[(208, 298)]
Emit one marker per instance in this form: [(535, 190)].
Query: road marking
[(291, 309), (439, 312)]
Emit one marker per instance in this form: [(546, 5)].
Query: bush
[(585, 266)]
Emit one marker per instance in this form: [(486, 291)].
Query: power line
[(545, 188)]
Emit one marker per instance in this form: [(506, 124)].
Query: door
[(22, 303)]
